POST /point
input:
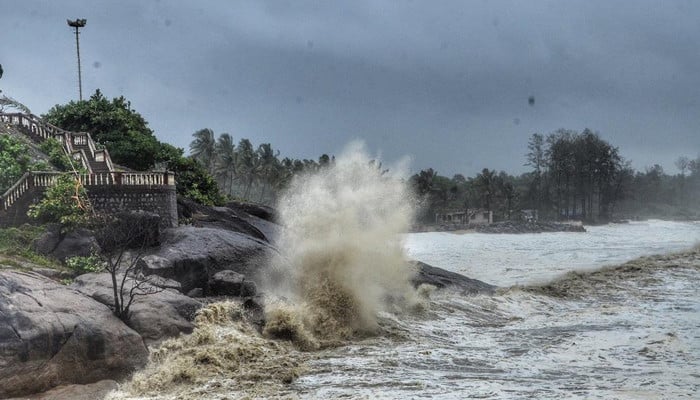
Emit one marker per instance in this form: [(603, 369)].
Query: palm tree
[(203, 148), (226, 157), (267, 166), (247, 164)]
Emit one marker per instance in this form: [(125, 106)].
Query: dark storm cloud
[(446, 82)]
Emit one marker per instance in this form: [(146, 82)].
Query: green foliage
[(14, 161), (65, 203), (114, 124), (194, 183), (83, 265), (57, 156), (17, 242), (131, 142)]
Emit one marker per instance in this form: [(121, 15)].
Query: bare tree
[(123, 240)]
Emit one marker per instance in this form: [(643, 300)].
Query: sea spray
[(341, 251)]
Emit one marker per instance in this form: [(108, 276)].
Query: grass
[(16, 247)]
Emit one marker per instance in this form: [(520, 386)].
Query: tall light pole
[(77, 24)]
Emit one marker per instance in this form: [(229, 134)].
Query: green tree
[(113, 124), (14, 161), (203, 148)]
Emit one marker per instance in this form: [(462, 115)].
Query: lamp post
[(77, 24)]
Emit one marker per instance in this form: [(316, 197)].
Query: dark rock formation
[(192, 255), (80, 242), (263, 212), (440, 278), (52, 335), (226, 218), (529, 227), (155, 316), (230, 283)]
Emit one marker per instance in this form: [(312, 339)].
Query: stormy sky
[(446, 83)]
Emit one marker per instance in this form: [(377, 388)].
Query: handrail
[(45, 179), (15, 191)]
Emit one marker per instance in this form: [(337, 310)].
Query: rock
[(53, 335), (440, 278), (230, 283), (80, 242), (529, 227), (263, 212), (164, 283), (225, 218), (196, 292), (91, 391), (192, 255), (154, 316)]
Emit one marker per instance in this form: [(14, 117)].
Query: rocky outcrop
[(192, 255), (529, 227), (51, 335), (440, 278), (80, 242), (230, 283), (155, 316)]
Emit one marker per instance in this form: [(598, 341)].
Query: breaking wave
[(341, 254)]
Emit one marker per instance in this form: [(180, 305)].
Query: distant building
[(529, 215), (469, 217)]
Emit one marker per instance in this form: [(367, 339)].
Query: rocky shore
[(506, 227), (54, 335)]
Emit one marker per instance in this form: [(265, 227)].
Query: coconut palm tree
[(203, 148), (225, 165)]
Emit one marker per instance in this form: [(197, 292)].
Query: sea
[(618, 333)]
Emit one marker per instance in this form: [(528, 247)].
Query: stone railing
[(47, 179)]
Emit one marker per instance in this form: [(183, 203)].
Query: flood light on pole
[(77, 24)]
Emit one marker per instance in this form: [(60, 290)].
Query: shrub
[(83, 265)]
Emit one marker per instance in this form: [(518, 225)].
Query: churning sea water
[(625, 333)]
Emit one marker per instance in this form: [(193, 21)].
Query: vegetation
[(57, 155), (132, 144), (16, 242), (14, 161), (574, 175), (123, 240), (65, 203), (244, 171)]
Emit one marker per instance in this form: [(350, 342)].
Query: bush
[(65, 203), (83, 265), (57, 155), (14, 161)]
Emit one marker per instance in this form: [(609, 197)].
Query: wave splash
[(342, 256)]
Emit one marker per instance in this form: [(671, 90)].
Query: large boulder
[(441, 278), (230, 283), (155, 316), (52, 335), (192, 255), (226, 218), (80, 242)]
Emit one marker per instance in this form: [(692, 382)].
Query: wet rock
[(440, 278), (91, 391), (529, 227), (196, 292), (226, 218), (155, 317), (53, 335), (230, 283), (192, 255)]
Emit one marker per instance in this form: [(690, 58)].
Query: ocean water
[(611, 333), (617, 334)]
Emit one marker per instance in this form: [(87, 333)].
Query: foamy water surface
[(632, 336)]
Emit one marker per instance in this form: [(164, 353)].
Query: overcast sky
[(444, 82)]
